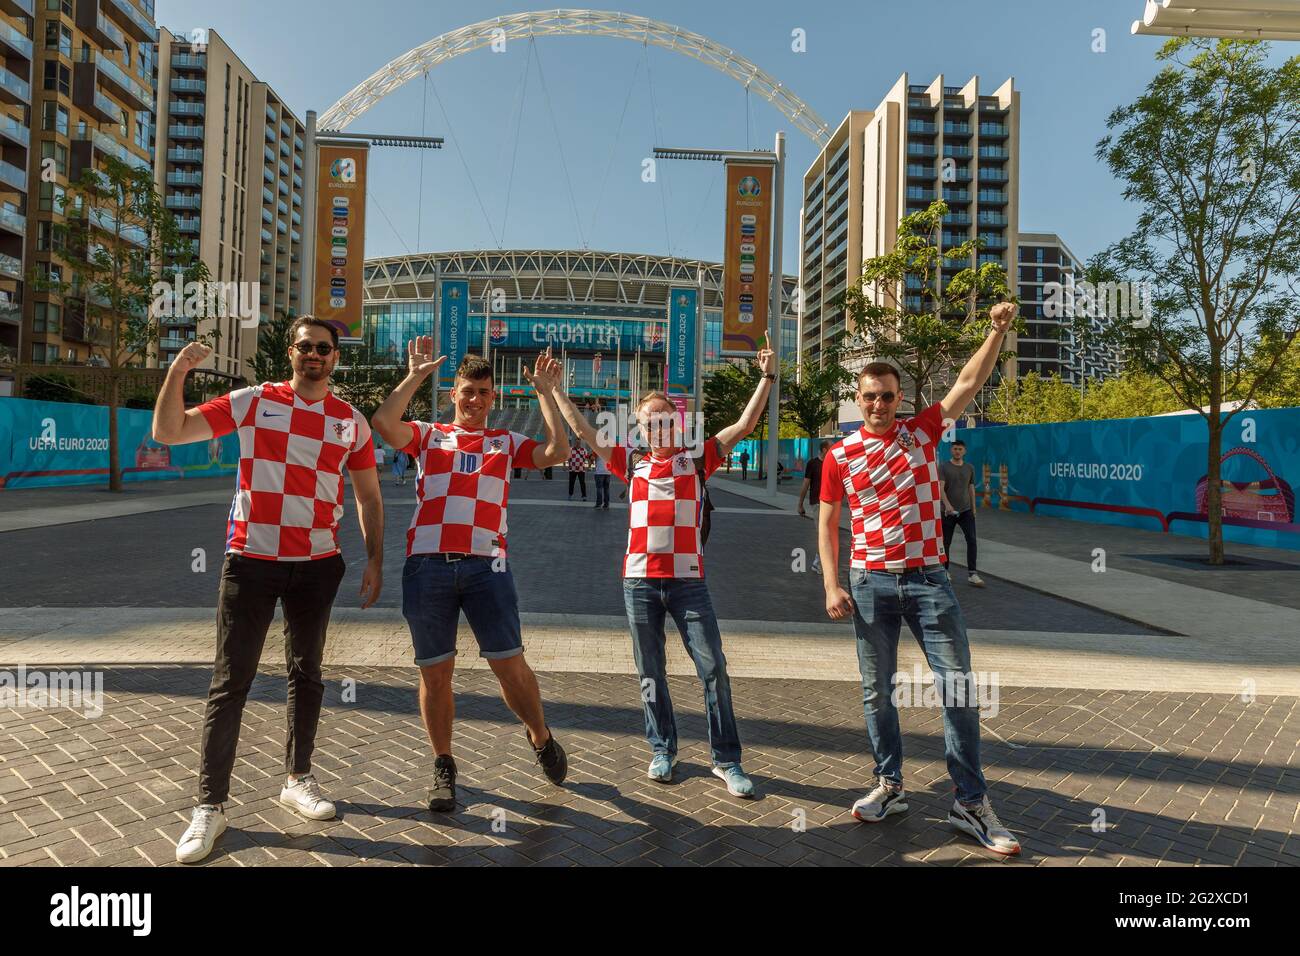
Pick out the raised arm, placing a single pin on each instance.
(581, 427)
(748, 421)
(420, 362)
(977, 371)
(545, 379)
(172, 424)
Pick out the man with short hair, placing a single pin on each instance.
(811, 488)
(957, 488)
(663, 570)
(296, 438)
(887, 472)
(456, 548)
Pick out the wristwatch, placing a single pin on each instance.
(770, 377)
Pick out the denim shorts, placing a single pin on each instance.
(435, 591)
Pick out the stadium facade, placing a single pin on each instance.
(606, 312)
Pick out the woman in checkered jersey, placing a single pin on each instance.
(663, 570)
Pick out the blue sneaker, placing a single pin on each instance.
(661, 768)
(738, 785)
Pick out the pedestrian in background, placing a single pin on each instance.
(601, 468)
(578, 469)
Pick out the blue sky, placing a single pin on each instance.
(314, 52)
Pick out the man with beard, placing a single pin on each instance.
(295, 440)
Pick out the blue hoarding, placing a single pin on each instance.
(1147, 472)
(59, 443)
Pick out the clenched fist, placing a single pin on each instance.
(766, 360)
(192, 356)
(1002, 315)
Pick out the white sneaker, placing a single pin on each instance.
(207, 823)
(884, 799)
(817, 564)
(975, 581)
(983, 824)
(304, 796)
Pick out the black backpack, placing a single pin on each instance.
(706, 510)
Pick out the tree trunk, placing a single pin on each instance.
(114, 459)
(1214, 489)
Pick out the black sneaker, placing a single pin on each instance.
(442, 795)
(553, 761)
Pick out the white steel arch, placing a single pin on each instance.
(626, 26)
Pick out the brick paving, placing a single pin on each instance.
(1181, 778)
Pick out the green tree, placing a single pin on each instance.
(811, 399)
(119, 241)
(1131, 394)
(938, 327)
(1032, 399)
(1210, 153)
(1280, 387)
(270, 363)
(366, 382)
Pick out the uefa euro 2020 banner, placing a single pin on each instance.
(59, 443)
(340, 237)
(1147, 473)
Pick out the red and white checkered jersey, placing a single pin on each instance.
(292, 453)
(891, 482)
(463, 486)
(665, 509)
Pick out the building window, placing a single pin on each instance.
(58, 37)
(56, 6)
(51, 197)
(57, 152)
(54, 117)
(57, 78)
(47, 317)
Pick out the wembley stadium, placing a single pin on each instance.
(606, 312)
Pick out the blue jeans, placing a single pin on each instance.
(435, 591)
(649, 602)
(925, 599)
(602, 489)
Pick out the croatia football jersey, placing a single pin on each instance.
(891, 482)
(292, 453)
(462, 487)
(665, 508)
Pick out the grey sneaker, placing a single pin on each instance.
(207, 823)
(738, 784)
(975, 581)
(661, 768)
(885, 798)
(983, 824)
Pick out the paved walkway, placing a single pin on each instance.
(1084, 778)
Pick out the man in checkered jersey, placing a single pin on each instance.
(295, 440)
(663, 570)
(456, 548)
(898, 573)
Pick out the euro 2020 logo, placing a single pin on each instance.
(749, 187)
(344, 169)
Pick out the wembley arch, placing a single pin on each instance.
(597, 23)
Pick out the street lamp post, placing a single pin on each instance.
(777, 158)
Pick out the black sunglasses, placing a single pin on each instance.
(306, 348)
(885, 397)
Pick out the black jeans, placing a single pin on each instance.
(581, 476)
(966, 519)
(602, 490)
(250, 588)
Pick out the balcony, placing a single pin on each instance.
(86, 94)
(957, 152)
(103, 219)
(993, 130)
(284, 148)
(14, 222)
(283, 188)
(188, 224)
(270, 135)
(956, 195)
(13, 88)
(14, 42)
(183, 108)
(185, 131)
(269, 153)
(957, 219)
(993, 152)
(920, 149)
(271, 114)
(179, 155)
(178, 178)
(182, 85)
(956, 129)
(992, 219)
(266, 236)
(267, 217)
(11, 175)
(996, 197)
(17, 8)
(993, 175)
(11, 267)
(297, 181)
(132, 20)
(183, 201)
(119, 83)
(920, 126)
(189, 61)
(14, 131)
(297, 161)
